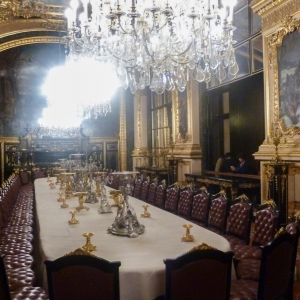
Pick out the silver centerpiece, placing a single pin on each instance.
(126, 222)
(104, 205)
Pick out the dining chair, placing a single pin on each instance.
(22, 291)
(276, 273)
(152, 191)
(200, 207)
(160, 196)
(199, 274)
(4, 288)
(185, 202)
(265, 226)
(239, 221)
(80, 277)
(172, 198)
(138, 187)
(145, 189)
(217, 215)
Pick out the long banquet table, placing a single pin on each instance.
(142, 269)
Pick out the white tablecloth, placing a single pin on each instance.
(142, 268)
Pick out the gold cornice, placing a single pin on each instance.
(28, 41)
(274, 12)
(268, 7)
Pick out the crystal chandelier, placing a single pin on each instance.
(155, 43)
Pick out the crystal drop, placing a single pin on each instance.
(221, 73)
(233, 70)
(141, 84)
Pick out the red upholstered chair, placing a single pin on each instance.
(152, 191)
(138, 187)
(249, 268)
(239, 221)
(24, 176)
(145, 189)
(265, 227)
(276, 273)
(160, 196)
(79, 277)
(4, 288)
(185, 202)
(200, 274)
(218, 214)
(172, 198)
(200, 207)
(20, 291)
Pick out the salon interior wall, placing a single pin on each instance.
(273, 13)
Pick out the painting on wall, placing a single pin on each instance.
(288, 56)
(23, 71)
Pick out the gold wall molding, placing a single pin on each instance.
(276, 11)
(123, 151)
(28, 41)
(188, 137)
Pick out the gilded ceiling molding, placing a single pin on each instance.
(28, 41)
(123, 152)
(274, 12)
(289, 25)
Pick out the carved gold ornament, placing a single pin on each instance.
(289, 25)
(200, 247)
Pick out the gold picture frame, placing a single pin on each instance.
(284, 60)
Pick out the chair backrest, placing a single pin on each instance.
(277, 268)
(200, 274)
(160, 196)
(145, 189)
(172, 198)
(185, 203)
(265, 225)
(80, 277)
(138, 187)
(152, 192)
(218, 213)
(4, 287)
(200, 206)
(239, 219)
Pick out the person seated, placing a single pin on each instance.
(244, 166)
(229, 160)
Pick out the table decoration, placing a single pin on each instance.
(187, 237)
(61, 197)
(68, 184)
(126, 222)
(89, 247)
(73, 219)
(145, 214)
(104, 205)
(80, 196)
(64, 204)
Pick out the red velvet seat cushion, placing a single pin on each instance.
(243, 290)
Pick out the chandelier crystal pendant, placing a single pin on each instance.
(155, 43)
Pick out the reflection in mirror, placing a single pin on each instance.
(241, 22)
(256, 23)
(242, 58)
(257, 54)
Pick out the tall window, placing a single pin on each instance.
(161, 107)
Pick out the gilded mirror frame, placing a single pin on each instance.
(289, 26)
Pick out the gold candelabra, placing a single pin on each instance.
(187, 237)
(275, 138)
(80, 196)
(89, 247)
(145, 214)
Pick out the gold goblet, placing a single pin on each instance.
(64, 204)
(145, 214)
(89, 247)
(187, 237)
(61, 198)
(80, 199)
(73, 220)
